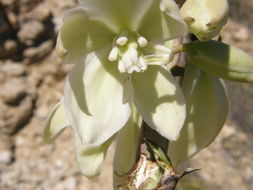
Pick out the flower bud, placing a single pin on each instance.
(205, 18)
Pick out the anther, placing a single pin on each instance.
(121, 41)
(113, 56)
(142, 41)
(123, 38)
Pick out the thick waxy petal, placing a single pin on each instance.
(117, 14)
(80, 35)
(127, 144)
(55, 123)
(126, 150)
(162, 21)
(160, 101)
(207, 109)
(154, 19)
(97, 98)
(90, 158)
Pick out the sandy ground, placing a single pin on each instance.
(27, 61)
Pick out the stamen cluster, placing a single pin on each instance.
(134, 53)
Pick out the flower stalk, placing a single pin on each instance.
(154, 169)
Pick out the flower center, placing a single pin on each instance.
(134, 53)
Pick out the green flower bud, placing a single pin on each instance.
(221, 60)
(205, 18)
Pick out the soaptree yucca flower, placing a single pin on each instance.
(120, 60)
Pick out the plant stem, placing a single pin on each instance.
(180, 2)
(151, 135)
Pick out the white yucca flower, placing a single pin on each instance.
(112, 44)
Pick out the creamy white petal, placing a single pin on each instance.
(79, 35)
(127, 144)
(96, 98)
(117, 14)
(55, 123)
(159, 100)
(207, 109)
(162, 21)
(90, 158)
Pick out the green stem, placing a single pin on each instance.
(151, 135)
(180, 2)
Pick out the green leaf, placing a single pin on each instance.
(221, 60)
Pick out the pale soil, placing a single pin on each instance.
(31, 82)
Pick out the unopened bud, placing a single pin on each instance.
(205, 18)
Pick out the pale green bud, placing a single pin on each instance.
(221, 60)
(205, 18)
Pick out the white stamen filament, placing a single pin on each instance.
(121, 66)
(158, 59)
(162, 49)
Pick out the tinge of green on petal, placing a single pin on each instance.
(134, 52)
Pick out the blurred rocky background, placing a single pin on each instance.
(31, 82)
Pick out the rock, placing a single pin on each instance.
(27, 5)
(242, 34)
(6, 153)
(9, 46)
(236, 144)
(2, 123)
(40, 13)
(4, 26)
(30, 32)
(5, 157)
(3, 108)
(7, 2)
(17, 117)
(10, 69)
(36, 53)
(12, 18)
(13, 90)
(69, 183)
